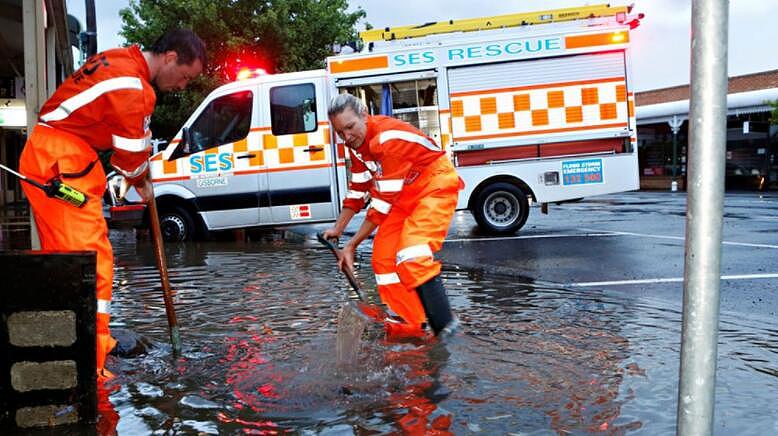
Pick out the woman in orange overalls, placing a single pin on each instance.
(413, 190)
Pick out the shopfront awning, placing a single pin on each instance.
(737, 104)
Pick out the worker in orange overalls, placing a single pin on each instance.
(105, 105)
(413, 190)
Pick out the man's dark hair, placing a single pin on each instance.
(185, 43)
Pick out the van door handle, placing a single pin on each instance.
(313, 148)
(246, 156)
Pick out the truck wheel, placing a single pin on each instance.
(176, 224)
(501, 208)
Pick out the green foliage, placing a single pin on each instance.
(278, 35)
(774, 113)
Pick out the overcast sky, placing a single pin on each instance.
(660, 45)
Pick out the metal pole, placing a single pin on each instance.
(91, 28)
(707, 147)
(675, 126)
(34, 78)
(675, 152)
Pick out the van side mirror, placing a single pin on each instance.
(183, 148)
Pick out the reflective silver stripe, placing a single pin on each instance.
(380, 205)
(361, 177)
(412, 252)
(85, 97)
(131, 144)
(104, 306)
(409, 137)
(392, 185)
(372, 166)
(358, 195)
(136, 172)
(356, 155)
(387, 279)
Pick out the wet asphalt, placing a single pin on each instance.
(630, 243)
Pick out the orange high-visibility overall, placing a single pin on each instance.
(413, 189)
(105, 105)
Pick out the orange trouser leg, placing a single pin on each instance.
(62, 226)
(406, 240)
(431, 200)
(402, 300)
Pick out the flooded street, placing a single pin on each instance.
(572, 326)
(258, 326)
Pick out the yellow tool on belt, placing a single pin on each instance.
(55, 189)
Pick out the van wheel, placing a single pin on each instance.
(176, 224)
(501, 208)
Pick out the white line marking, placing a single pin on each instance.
(681, 238)
(505, 238)
(599, 233)
(668, 280)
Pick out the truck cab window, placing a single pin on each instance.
(293, 109)
(226, 119)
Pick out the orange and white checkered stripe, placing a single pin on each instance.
(271, 153)
(445, 128)
(540, 110)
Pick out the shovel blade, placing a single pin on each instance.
(351, 326)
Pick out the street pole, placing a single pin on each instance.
(702, 266)
(33, 25)
(675, 126)
(91, 28)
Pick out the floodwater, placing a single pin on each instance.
(258, 326)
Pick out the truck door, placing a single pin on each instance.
(226, 167)
(301, 167)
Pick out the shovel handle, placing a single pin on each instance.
(167, 293)
(335, 251)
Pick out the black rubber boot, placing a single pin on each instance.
(436, 307)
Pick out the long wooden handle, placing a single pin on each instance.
(349, 275)
(159, 251)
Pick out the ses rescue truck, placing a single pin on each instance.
(534, 106)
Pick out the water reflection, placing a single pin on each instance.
(258, 325)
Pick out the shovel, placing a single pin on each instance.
(167, 293)
(353, 317)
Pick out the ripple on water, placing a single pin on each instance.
(258, 327)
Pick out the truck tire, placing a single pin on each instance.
(501, 208)
(176, 224)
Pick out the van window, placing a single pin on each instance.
(293, 109)
(226, 119)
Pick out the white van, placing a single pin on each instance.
(530, 107)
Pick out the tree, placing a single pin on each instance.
(276, 35)
(774, 114)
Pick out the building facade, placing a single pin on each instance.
(752, 146)
(35, 56)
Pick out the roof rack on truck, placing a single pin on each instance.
(494, 22)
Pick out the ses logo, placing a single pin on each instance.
(208, 163)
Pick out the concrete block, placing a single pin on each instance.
(46, 416)
(33, 376)
(47, 342)
(52, 328)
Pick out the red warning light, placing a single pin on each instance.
(249, 73)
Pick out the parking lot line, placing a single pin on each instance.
(508, 238)
(668, 280)
(681, 238)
